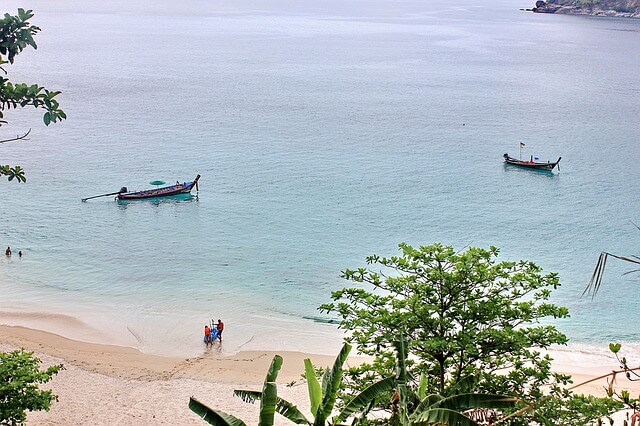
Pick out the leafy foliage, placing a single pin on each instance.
(20, 377)
(411, 407)
(16, 34)
(322, 395)
(473, 324)
(270, 403)
(576, 410)
(213, 417)
(15, 172)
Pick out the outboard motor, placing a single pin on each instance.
(124, 189)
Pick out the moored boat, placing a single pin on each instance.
(531, 164)
(167, 191)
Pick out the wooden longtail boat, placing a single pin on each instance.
(538, 165)
(167, 191)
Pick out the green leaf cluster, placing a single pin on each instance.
(412, 407)
(20, 377)
(322, 397)
(16, 34)
(12, 173)
(576, 410)
(473, 324)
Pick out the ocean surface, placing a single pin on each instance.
(324, 132)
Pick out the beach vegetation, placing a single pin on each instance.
(577, 409)
(322, 396)
(411, 407)
(20, 380)
(16, 34)
(473, 324)
(269, 403)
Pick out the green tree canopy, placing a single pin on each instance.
(472, 323)
(16, 33)
(20, 377)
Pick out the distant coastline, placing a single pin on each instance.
(611, 8)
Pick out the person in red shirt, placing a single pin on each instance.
(207, 335)
(220, 327)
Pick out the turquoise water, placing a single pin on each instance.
(324, 132)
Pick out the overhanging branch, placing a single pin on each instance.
(17, 138)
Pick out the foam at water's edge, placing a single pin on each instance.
(286, 335)
(184, 339)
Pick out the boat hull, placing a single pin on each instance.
(531, 164)
(167, 191)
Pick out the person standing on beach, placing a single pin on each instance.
(8, 253)
(220, 327)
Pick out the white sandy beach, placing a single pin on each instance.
(117, 385)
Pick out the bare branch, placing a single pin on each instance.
(17, 138)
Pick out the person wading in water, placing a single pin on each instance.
(220, 327)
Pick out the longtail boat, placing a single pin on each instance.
(167, 191)
(531, 164)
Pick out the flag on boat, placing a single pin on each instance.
(521, 145)
(536, 158)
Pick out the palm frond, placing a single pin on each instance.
(596, 278)
(633, 271)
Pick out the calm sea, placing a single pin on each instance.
(324, 132)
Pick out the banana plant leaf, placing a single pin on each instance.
(270, 393)
(427, 402)
(315, 391)
(330, 385)
(422, 386)
(364, 398)
(443, 416)
(283, 407)
(213, 417)
(475, 400)
(401, 379)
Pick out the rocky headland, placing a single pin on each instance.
(619, 8)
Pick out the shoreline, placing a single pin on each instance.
(174, 336)
(122, 377)
(131, 364)
(109, 384)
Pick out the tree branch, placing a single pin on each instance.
(17, 138)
